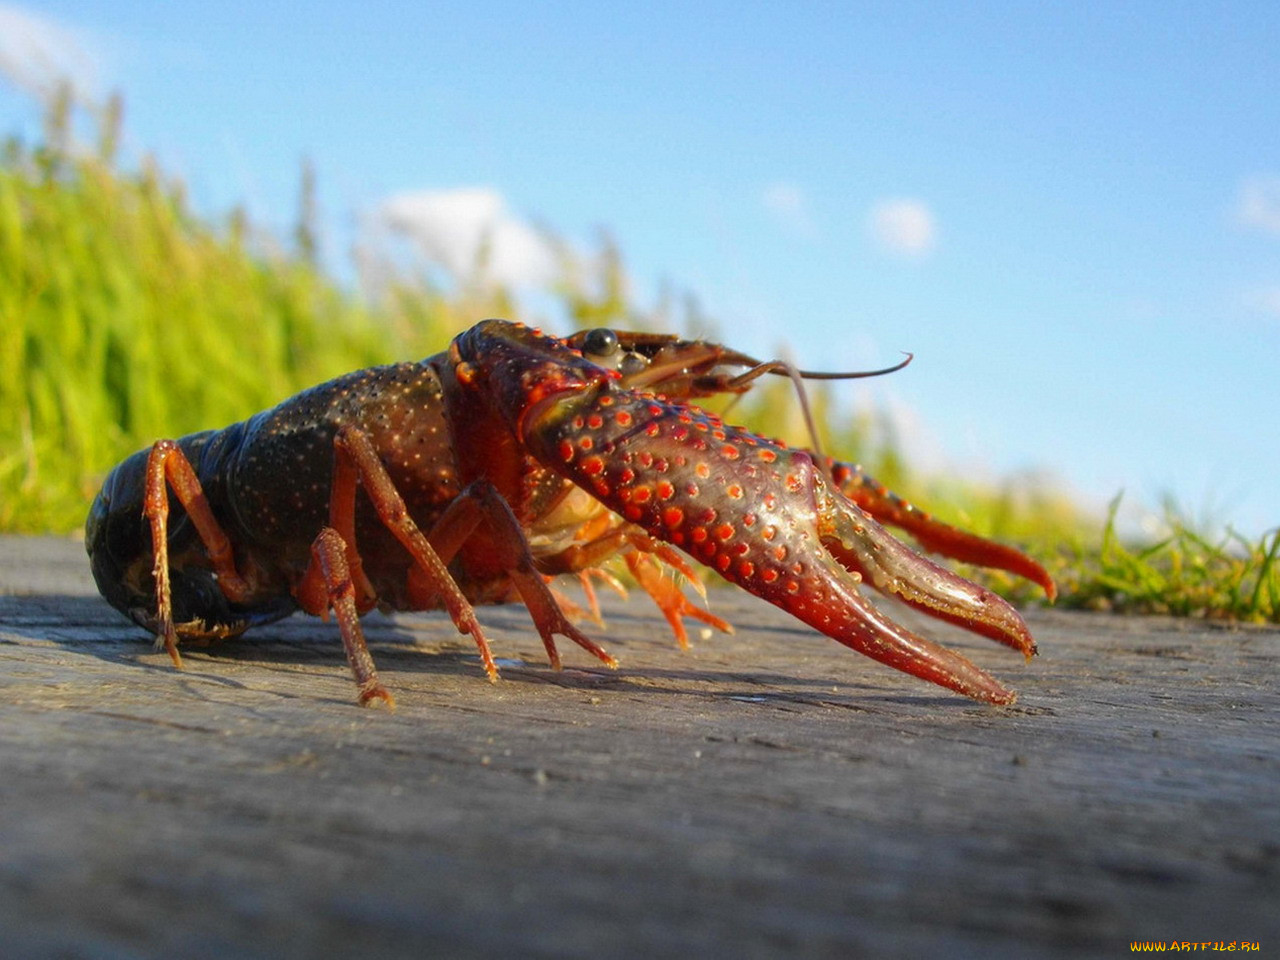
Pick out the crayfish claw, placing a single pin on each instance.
(932, 534)
(864, 547)
(870, 632)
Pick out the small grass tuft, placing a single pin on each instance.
(1184, 573)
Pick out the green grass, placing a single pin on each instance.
(125, 317)
(1185, 573)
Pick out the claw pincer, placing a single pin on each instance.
(760, 514)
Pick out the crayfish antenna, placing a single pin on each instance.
(739, 383)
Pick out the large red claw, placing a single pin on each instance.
(768, 520)
(830, 547)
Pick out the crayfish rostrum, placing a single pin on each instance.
(474, 476)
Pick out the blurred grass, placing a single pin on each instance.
(125, 317)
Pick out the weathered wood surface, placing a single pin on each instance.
(767, 793)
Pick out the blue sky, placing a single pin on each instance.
(1070, 213)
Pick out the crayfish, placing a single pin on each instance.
(476, 475)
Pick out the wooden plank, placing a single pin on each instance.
(768, 792)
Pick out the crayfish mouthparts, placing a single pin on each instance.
(472, 476)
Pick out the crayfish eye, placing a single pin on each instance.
(601, 342)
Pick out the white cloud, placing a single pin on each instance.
(37, 52)
(790, 207)
(457, 227)
(1258, 205)
(904, 227)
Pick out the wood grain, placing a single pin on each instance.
(766, 793)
